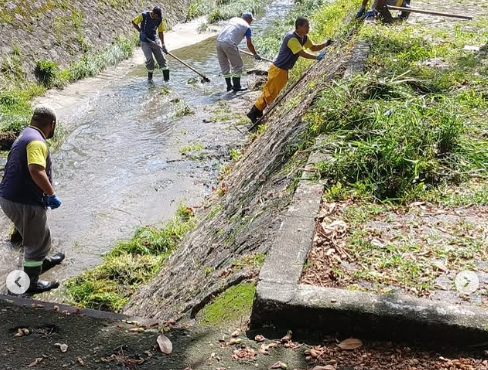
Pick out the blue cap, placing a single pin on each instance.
(157, 11)
(247, 15)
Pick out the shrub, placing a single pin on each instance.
(46, 72)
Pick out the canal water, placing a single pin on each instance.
(120, 165)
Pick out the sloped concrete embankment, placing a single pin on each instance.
(246, 213)
(63, 31)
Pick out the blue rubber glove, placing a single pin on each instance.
(321, 55)
(370, 14)
(164, 49)
(257, 57)
(360, 13)
(52, 201)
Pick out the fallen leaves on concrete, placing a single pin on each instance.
(63, 347)
(36, 362)
(165, 344)
(244, 353)
(389, 356)
(350, 343)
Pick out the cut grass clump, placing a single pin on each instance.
(110, 285)
(230, 306)
(386, 137)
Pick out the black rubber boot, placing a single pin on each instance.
(254, 114)
(50, 262)
(236, 81)
(166, 75)
(229, 83)
(37, 286)
(149, 76)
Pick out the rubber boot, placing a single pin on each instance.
(229, 83)
(50, 262)
(236, 81)
(254, 114)
(149, 76)
(37, 286)
(166, 75)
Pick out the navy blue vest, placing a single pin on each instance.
(149, 27)
(17, 184)
(286, 59)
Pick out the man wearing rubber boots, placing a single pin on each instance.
(26, 191)
(148, 24)
(292, 47)
(228, 51)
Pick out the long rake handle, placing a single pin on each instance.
(190, 67)
(248, 53)
(413, 10)
(205, 78)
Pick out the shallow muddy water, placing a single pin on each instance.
(120, 164)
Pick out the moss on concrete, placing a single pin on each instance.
(230, 306)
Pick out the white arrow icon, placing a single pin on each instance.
(18, 282)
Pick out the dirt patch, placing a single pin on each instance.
(417, 250)
(7, 139)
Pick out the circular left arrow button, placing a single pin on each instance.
(18, 282)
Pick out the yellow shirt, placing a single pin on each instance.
(138, 20)
(37, 153)
(295, 47)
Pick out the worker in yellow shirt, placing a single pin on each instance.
(292, 47)
(27, 191)
(147, 24)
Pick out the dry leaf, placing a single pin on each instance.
(136, 330)
(259, 338)
(165, 344)
(235, 333)
(326, 367)
(80, 361)
(377, 243)
(279, 365)
(36, 362)
(350, 343)
(439, 265)
(287, 337)
(62, 346)
(234, 341)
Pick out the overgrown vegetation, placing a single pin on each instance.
(406, 125)
(406, 142)
(217, 10)
(110, 285)
(16, 92)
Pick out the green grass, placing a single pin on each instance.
(131, 263)
(230, 306)
(16, 92)
(406, 125)
(192, 149)
(217, 10)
